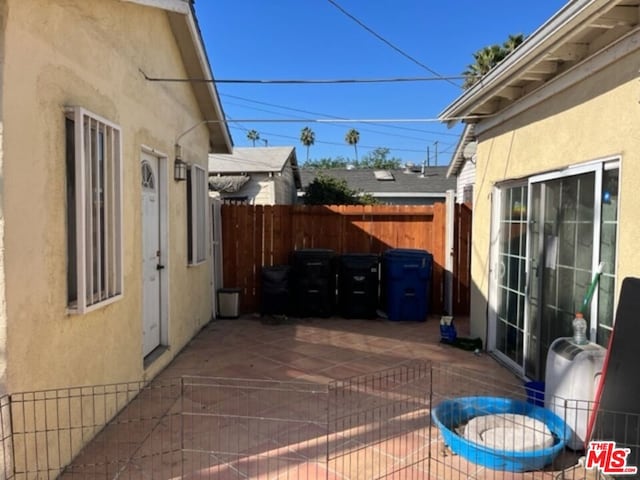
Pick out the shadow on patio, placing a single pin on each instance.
(309, 398)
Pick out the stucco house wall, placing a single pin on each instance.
(593, 119)
(89, 53)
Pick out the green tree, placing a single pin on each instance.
(512, 43)
(253, 135)
(327, 190)
(379, 158)
(308, 138)
(488, 57)
(327, 162)
(352, 138)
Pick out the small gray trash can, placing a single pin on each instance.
(228, 302)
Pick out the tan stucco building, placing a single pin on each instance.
(557, 170)
(105, 258)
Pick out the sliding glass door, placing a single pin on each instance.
(554, 231)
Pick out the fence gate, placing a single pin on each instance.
(462, 259)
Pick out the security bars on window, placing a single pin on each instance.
(95, 253)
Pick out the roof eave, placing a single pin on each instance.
(537, 44)
(458, 159)
(197, 66)
(187, 34)
(176, 6)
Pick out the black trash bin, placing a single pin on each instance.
(275, 295)
(314, 282)
(358, 283)
(407, 284)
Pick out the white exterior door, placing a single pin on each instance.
(151, 266)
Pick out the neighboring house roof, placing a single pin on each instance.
(461, 154)
(255, 160)
(582, 29)
(189, 40)
(403, 183)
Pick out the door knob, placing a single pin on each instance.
(159, 267)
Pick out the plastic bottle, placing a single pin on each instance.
(580, 329)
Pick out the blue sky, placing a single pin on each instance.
(312, 39)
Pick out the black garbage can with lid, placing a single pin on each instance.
(275, 294)
(314, 282)
(358, 284)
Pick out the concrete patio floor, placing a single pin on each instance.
(249, 398)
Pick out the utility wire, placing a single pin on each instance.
(355, 120)
(321, 142)
(397, 49)
(330, 81)
(378, 132)
(398, 127)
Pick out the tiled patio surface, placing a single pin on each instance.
(318, 350)
(254, 405)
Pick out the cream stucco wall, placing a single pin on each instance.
(88, 53)
(596, 118)
(3, 309)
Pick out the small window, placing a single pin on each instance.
(196, 215)
(148, 179)
(94, 210)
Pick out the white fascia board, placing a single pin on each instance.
(183, 7)
(457, 160)
(605, 57)
(206, 73)
(176, 6)
(538, 43)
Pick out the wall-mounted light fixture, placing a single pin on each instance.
(179, 167)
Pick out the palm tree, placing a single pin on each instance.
(488, 57)
(308, 138)
(253, 136)
(352, 138)
(512, 43)
(485, 59)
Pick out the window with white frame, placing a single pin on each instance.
(196, 215)
(94, 210)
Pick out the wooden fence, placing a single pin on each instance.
(254, 236)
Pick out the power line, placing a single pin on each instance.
(330, 81)
(397, 49)
(398, 127)
(378, 132)
(324, 142)
(355, 120)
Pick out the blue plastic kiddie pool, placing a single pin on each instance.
(450, 415)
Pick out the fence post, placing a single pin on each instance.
(448, 251)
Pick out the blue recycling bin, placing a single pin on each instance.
(407, 282)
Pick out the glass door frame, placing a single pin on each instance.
(497, 200)
(537, 241)
(597, 167)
